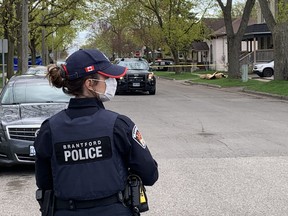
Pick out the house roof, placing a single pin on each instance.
(235, 24)
(218, 25)
(256, 30)
(200, 46)
(214, 23)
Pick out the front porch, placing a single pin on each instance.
(257, 44)
(256, 56)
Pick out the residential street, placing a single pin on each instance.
(219, 152)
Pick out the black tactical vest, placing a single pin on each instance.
(85, 163)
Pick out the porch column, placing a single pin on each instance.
(254, 49)
(247, 45)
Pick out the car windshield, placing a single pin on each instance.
(32, 92)
(134, 65)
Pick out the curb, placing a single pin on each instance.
(242, 89)
(204, 84)
(282, 97)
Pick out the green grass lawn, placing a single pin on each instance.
(272, 87)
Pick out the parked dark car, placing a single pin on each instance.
(162, 64)
(25, 102)
(137, 78)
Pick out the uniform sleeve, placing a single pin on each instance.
(134, 150)
(43, 147)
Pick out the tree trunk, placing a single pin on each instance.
(19, 35)
(119, 45)
(176, 60)
(24, 44)
(43, 47)
(279, 30)
(233, 57)
(234, 39)
(280, 39)
(19, 54)
(33, 51)
(10, 58)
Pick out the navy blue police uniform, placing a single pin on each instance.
(86, 152)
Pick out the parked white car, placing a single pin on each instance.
(264, 69)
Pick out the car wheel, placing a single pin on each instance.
(259, 74)
(268, 72)
(152, 92)
(118, 92)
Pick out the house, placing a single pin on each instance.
(212, 53)
(217, 55)
(259, 44)
(256, 46)
(259, 38)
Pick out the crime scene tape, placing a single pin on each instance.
(187, 65)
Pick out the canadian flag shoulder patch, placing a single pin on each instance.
(137, 136)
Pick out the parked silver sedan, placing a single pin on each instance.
(25, 102)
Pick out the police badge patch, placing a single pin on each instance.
(138, 137)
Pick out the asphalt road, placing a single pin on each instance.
(219, 153)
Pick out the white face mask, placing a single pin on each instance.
(111, 86)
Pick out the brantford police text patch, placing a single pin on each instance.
(83, 151)
(138, 137)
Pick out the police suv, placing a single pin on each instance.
(138, 77)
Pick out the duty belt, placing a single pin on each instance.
(83, 204)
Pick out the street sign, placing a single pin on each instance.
(3, 49)
(3, 46)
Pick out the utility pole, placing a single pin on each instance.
(24, 65)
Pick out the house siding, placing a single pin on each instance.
(219, 53)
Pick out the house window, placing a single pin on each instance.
(269, 42)
(204, 56)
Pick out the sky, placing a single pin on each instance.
(78, 42)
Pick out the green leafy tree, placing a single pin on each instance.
(111, 27)
(10, 23)
(179, 27)
(52, 21)
(151, 24)
(144, 30)
(59, 19)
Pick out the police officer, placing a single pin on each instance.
(85, 152)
